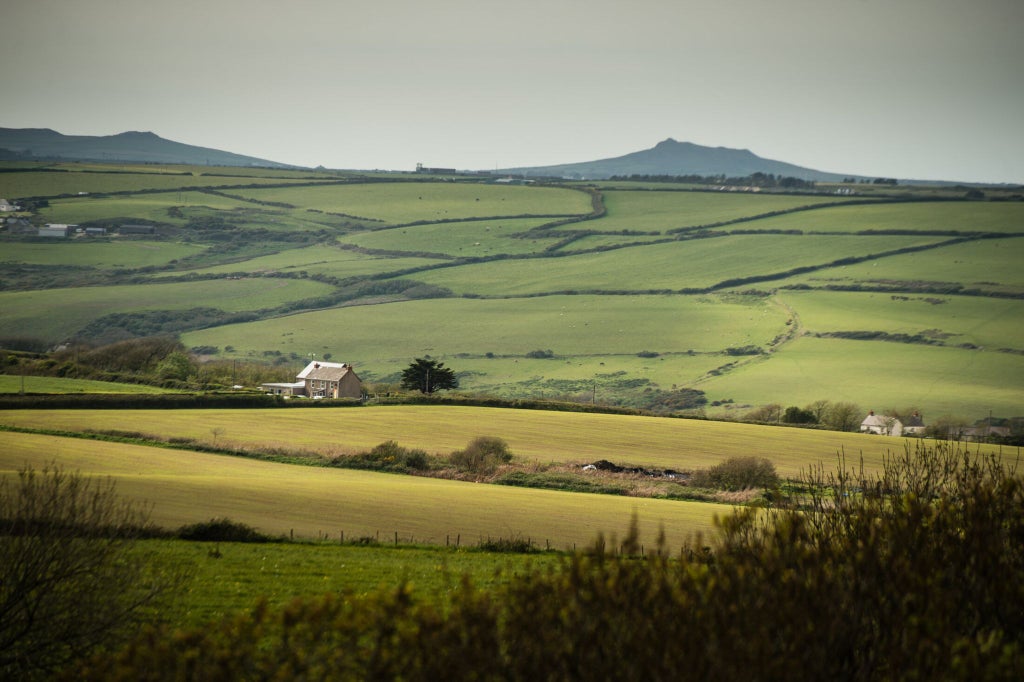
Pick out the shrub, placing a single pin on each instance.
(70, 582)
(387, 456)
(482, 455)
(738, 473)
(222, 530)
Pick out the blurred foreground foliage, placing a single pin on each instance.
(913, 573)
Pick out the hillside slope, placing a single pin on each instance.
(145, 147)
(670, 157)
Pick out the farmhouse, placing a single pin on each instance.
(321, 380)
(882, 426)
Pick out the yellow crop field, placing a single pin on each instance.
(533, 435)
(187, 487)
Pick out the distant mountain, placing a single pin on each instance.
(43, 143)
(670, 157)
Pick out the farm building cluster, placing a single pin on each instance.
(913, 425)
(321, 380)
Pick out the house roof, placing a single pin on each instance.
(328, 373)
(914, 420)
(876, 420)
(316, 365)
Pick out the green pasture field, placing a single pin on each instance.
(241, 573)
(992, 323)
(321, 259)
(392, 334)
(596, 241)
(987, 265)
(666, 210)
(404, 202)
(152, 207)
(45, 184)
(534, 436)
(878, 375)
(280, 499)
(694, 263)
(468, 239)
(928, 216)
(98, 253)
(68, 310)
(32, 384)
(610, 379)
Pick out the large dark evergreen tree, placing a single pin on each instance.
(426, 376)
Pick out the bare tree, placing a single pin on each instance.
(69, 580)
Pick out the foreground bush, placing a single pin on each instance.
(914, 574)
(69, 581)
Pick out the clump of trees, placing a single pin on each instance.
(835, 416)
(907, 574)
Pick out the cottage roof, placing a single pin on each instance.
(316, 365)
(328, 373)
(875, 420)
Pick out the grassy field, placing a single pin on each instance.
(542, 437)
(32, 384)
(325, 259)
(379, 339)
(407, 202)
(695, 263)
(232, 578)
(960, 216)
(58, 183)
(68, 310)
(666, 210)
(987, 265)
(992, 323)
(99, 253)
(186, 487)
(878, 375)
(469, 239)
(209, 234)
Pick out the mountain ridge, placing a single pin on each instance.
(129, 146)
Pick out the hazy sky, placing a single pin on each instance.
(929, 89)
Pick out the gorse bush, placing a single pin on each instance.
(911, 574)
(482, 455)
(738, 473)
(387, 456)
(222, 530)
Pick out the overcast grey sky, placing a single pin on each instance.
(928, 89)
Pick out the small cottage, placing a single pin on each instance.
(881, 425)
(321, 379)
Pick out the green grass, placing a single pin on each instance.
(666, 210)
(55, 184)
(570, 326)
(239, 574)
(319, 259)
(185, 487)
(677, 265)
(32, 384)
(152, 207)
(98, 253)
(961, 216)
(68, 310)
(878, 375)
(992, 323)
(987, 265)
(469, 239)
(408, 202)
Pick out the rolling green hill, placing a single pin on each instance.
(622, 293)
